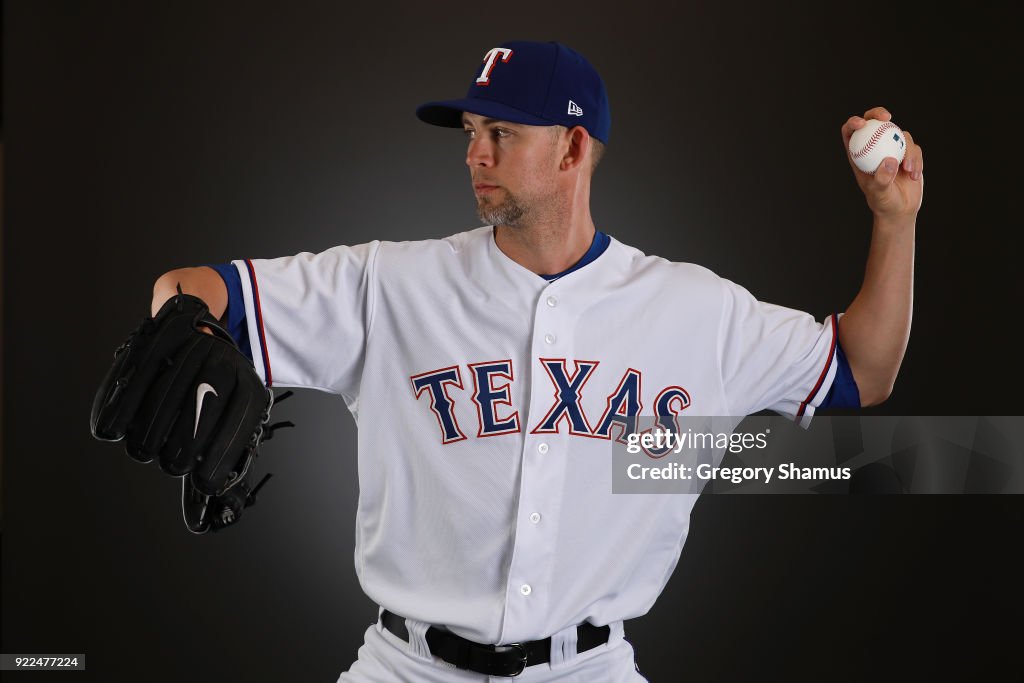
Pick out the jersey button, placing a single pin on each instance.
(552, 301)
(525, 589)
(535, 517)
(550, 338)
(542, 448)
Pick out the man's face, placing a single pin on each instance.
(514, 170)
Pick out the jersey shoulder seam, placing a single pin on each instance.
(371, 302)
(719, 344)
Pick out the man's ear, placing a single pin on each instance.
(578, 147)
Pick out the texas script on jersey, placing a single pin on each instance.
(491, 384)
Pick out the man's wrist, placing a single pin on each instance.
(895, 225)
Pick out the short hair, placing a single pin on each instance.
(596, 152)
(596, 147)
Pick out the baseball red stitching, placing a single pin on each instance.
(874, 138)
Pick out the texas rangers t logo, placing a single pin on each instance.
(489, 60)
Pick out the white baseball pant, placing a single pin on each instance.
(386, 658)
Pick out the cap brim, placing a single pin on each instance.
(449, 113)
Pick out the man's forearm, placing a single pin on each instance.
(876, 326)
(203, 282)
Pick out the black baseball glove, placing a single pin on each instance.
(193, 402)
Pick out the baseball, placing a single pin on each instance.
(876, 141)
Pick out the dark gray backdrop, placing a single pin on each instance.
(141, 138)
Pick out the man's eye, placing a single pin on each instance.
(468, 132)
(501, 133)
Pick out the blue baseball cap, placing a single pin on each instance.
(539, 84)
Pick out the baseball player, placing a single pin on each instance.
(490, 370)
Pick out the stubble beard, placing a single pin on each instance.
(510, 211)
(521, 212)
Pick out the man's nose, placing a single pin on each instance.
(479, 153)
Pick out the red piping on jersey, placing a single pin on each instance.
(824, 372)
(259, 320)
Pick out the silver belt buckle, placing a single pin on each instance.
(522, 657)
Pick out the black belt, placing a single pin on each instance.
(494, 660)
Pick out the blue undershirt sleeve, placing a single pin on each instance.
(235, 322)
(843, 393)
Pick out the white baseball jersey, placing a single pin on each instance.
(486, 398)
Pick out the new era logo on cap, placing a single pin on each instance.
(530, 82)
